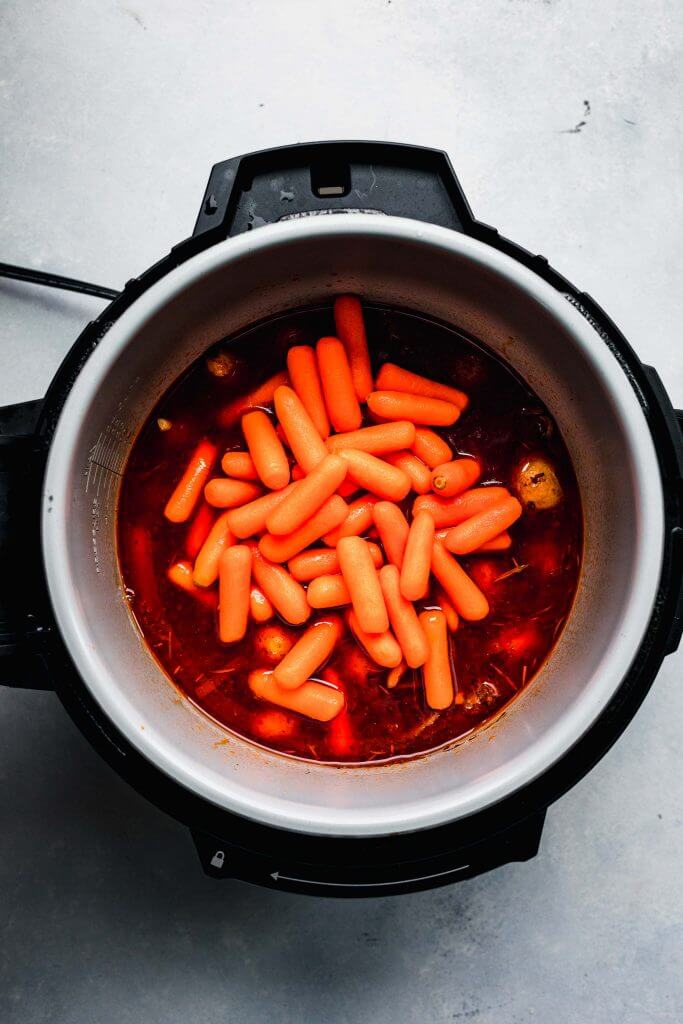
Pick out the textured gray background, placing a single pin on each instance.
(112, 114)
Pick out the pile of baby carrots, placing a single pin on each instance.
(286, 529)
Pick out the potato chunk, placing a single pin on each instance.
(537, 484)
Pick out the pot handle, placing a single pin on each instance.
(23, 598)
(332, 177)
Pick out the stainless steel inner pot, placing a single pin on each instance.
(437, 272)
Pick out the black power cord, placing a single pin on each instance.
(69, 284)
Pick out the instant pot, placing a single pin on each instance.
(278, 230)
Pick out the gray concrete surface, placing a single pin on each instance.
(563, 120)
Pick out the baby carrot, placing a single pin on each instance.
(436, 673)
(500, 543)
(180, 505)
(429, 447)
(381, 647)
(308, 447)
(328, 592)
(474, 532)
(395, 378)
(311, 650)
(303, 373)
(266, 450)
(417, 557)
(206, 563)
(198, 530)
(239, 465)
(452, 619)
(234, 586)
(392, 528)
(451, 478)
(311, 699)
(328, 517)
(399, 405)
(304, 500)
(347, 487)
(377, 440)
(260, 608)
(375, 475)
(403, 618)
(222, 492)
(262, 395)
(360, 576)
(340, 395)
(322, 561)
(414, 468)
(286, 595)
(251, 518)
(180, 574)
(350, 327)
(467, 598)
(358, 519)
(451, 511)
(394, 675)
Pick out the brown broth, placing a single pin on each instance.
(530, 588)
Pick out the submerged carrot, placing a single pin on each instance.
(340, 395)
(262, 395)
(467, 598)
(500, 543)
(360, 576)
(431, 448)
(266, 450)
(444, 602)
(180, 574)
(222, 492)
(286, 595)
(328, 591)
(415, 469)
(340, 735)
(358, 520)
(417, 557)
(451, 511)
(350, 327)
(479, 529)
(310, 651)
(312, 699)
(198, 530)
(308, 496)
(206, 563)
(303, 437)
(377, 440)
(303, 373)
(260, 608)
(395, 378)
(283, 547)
(383, 647)
(451, 478)
(234, 586)
(394, 675)
(323, 561)
(375, 475)
(251, 518)
(180, 505)
(399, 405)
(239, 465)
(393, 528)
(403, 618)
(436, 673)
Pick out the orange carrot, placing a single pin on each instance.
(360, 576)
(474, 532)
(312, 699)
(260, 608)
(180, 574)
(283, 547)
(452, 618)
(395, 378)
(393, 528)
(394, 675)
(403, 619)
(297, 472)
(222, 492)
(322, 561)
(417, 557)
(340, 395)
(358, 519)
(266, 450)
(234, 586)
(381, 647)
(286, 595)
(399, 405)
(251, 518)
(310, 651)
(467, 598)
(328, 591)
(198, 530)
(375, 475)
(206, 563)
(180, 505)
(429, 447)
(436, 674)
(414, 468)
(308, 496)
(347, 488)
(350, 327)
(239, 465)
(451, 511)
(308, 447)
(303, 373)
(262, 395)
(340, 735)
(377, 440)
(503, 542)
(451, 478)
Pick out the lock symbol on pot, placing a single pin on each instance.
(218, 859)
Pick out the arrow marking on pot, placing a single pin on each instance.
(277, 876)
